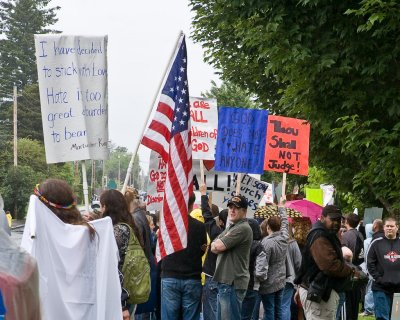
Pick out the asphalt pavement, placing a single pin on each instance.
(17, 230)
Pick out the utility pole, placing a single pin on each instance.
(119, 171)
(15, 126)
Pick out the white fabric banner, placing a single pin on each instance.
(204, 122)
(78, 278)
(72, 72)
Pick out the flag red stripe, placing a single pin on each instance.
(160, 128)
(155, 146)
(173, 233)
(178, 194)
(186, 163)
(166, 110)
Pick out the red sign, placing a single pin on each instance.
(287, 145)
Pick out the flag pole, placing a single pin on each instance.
(202, 171)
(167, 69)
(85, 186)
(284, 185)
(238, 182)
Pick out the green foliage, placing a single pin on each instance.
(117, 166)
(32, 169)
(19, 21)
(229, 94)
(321, 61)
(17, 188)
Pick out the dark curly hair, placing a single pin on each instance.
(116, 208)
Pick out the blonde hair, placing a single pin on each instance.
(132, 196)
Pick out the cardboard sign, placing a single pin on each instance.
(241, 140)
(252, 188)
(72, 72)
(156, 185)
(287, 145)
(370, 214)
(204, 122)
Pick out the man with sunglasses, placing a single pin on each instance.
(323, 270)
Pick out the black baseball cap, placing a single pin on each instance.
(238, 201)
(334, 212)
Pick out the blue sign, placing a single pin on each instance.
(241, 140)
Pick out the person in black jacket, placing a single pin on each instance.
(214, 227)
(383, 263)
(323, 269)
(181, 274)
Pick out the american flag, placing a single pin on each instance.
(169, 135)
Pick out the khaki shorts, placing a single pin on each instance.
(320, 311)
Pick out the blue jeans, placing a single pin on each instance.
(272, 305)
(287, 299)
(256, 311)
(369, 298)
(342, 300)
(180, 299)
(210, 294)
(248, 304)
(229, 302)
(383, 305)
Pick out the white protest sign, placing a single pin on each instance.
(252, 188)
(268, 196)
(214, 180)
(156, 186)
(204, 122)
(72, 73)
(327, 193)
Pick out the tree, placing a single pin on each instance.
(29, 115)
(118, 163)
(19, 21)
(17, 183)
(230, 94)
(332, 63)
(16, 189)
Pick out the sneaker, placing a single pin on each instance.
(365, 314)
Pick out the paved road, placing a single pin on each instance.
(16, 233)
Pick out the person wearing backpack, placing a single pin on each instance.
(136, 208)
(354, 240)
(128, 240)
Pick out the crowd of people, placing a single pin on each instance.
(234, 266)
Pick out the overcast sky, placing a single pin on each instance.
(141, 38)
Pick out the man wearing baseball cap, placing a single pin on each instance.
(232, 271)
(324, 272)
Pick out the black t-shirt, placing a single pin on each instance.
(187, 264)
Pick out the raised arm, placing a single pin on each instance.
(284, 220)
(205, 205)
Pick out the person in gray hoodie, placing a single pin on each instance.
(293, 264)
(270, 268)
